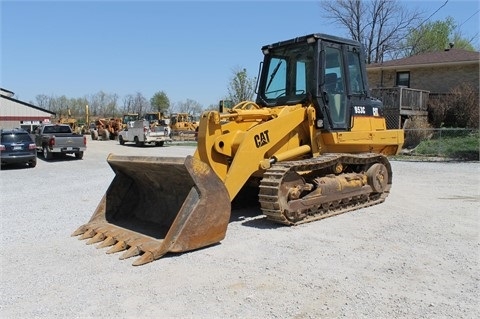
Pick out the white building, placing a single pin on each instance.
(18, 114)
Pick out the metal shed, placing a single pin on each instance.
(18, 114)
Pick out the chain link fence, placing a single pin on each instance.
(392, 118)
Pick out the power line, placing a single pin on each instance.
(418, 27)
(473, 38)
(468, 19)
(443, 5)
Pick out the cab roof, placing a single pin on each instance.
(316, 36)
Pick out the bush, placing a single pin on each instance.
(459, 108)
(416, 130)
(437, 108)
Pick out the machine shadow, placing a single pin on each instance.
(246, 209)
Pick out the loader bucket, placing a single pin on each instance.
(157, 205)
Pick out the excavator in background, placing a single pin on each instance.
(314, 144)
(225, 106)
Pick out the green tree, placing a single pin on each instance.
(435, 36)
(160, 102)
(241, 87)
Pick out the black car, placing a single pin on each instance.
(17, 147)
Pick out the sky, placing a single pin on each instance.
(187, 49)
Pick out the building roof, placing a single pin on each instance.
(447, 57)
(27, 104)
(6, 92)
(8, 95)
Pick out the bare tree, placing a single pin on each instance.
(189, 106)
(42, 100)
(379, 24)
(140, 104)
(59, 105)
(103, 104)
(97, 103)
(128, 101)
(135, 104)
(111, 108)
(78, 107)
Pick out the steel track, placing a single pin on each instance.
(274, 202)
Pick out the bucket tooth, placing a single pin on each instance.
(145, 258)
(88, 234)
(97, 238)
(119, 246)
(80, 230)
(132, 251)
(109, 241)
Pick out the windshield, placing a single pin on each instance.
(16, 138)
(57, 129)
(287, 74)
(129, 118)
(152, 117)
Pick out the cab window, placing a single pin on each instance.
(277, 78)
(289, 75)
(334, 86)
(354, 68)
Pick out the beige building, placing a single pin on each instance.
(436, 72)
(18, 114)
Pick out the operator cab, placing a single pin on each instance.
(325, 70)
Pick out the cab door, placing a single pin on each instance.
(360, 105)
(334, 86)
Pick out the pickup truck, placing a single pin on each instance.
(141, 132)
(53, 139)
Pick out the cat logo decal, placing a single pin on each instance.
(261, 139)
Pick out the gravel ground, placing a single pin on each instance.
(414, 256)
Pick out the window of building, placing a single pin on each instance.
(403, 79)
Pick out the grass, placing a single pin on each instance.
(455, 147)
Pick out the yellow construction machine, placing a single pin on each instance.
(225, 106)
(129, 117)
(182, 122)
(314, 144)
(72, 122)
(155, 118)
(183, 126)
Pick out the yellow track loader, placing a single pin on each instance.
(313, 144)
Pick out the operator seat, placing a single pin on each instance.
(334, 98)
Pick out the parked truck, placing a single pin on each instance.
(53, 139)
(141, 132)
